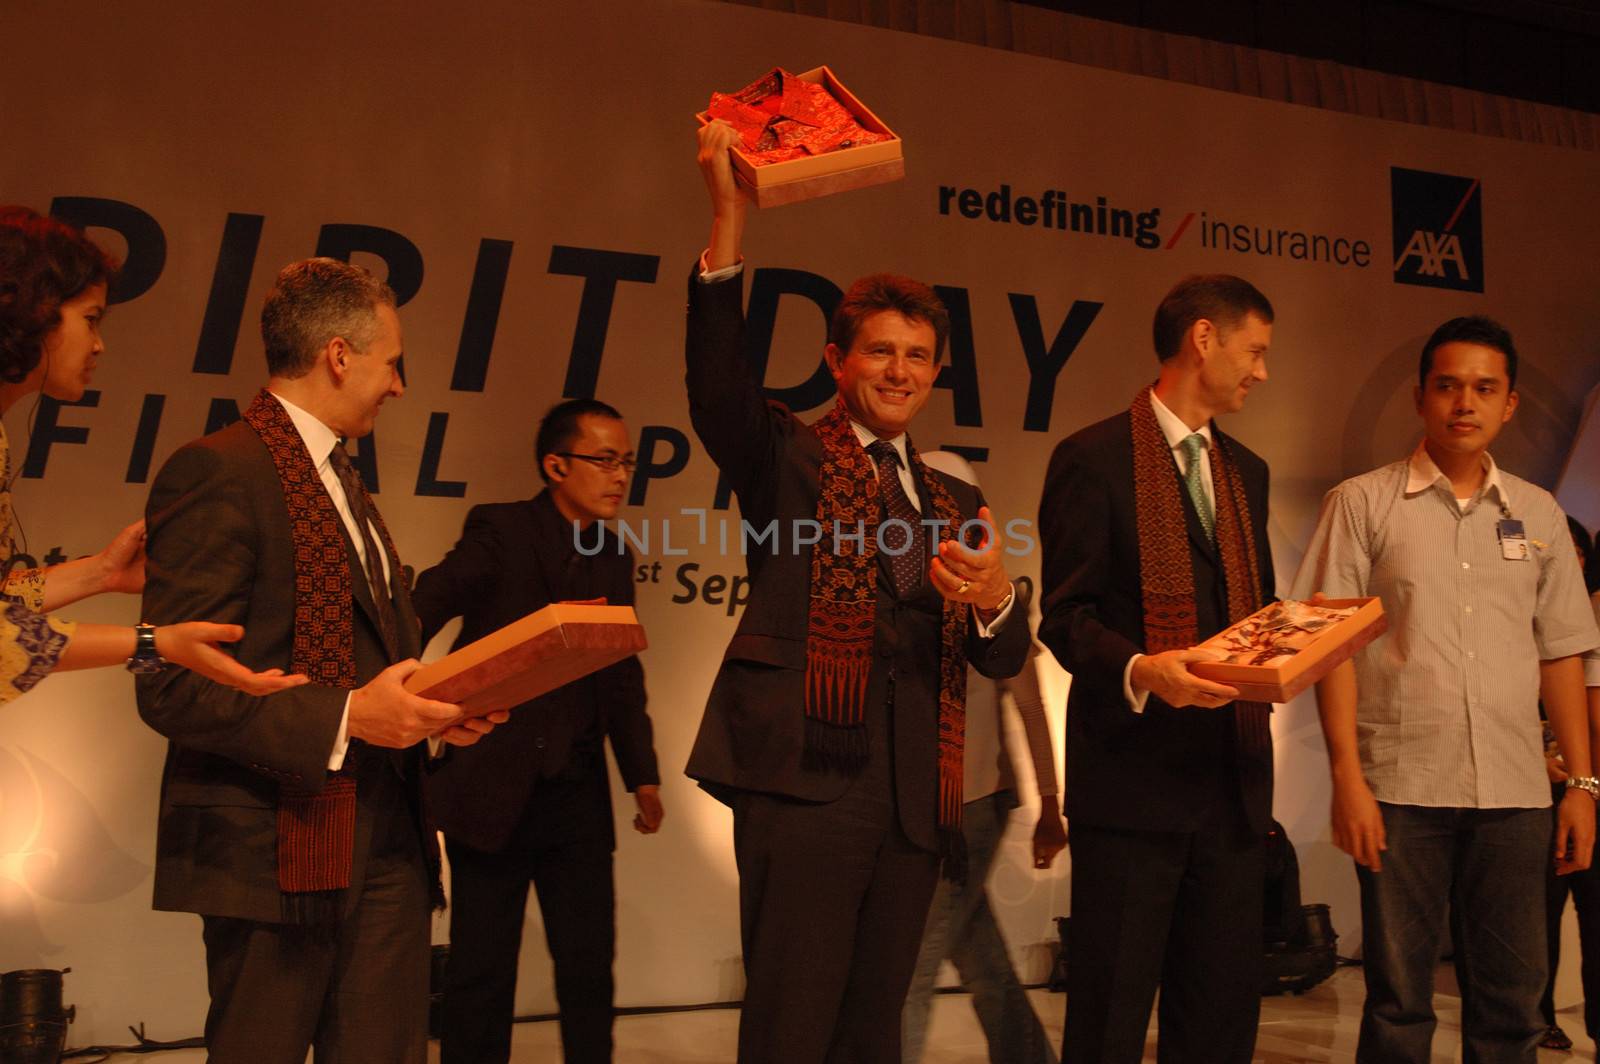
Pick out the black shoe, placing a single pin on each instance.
(1555, 1038)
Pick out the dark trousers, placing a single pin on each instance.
(1485, 865)
(565, 854)
(357, 992)
(1178, 910)
(833, 898)
(1585, 890)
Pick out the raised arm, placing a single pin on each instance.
(727, 202)
(731, 416)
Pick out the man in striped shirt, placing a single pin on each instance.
(1433, 731)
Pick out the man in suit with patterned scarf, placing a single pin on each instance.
(834, 727)
(1154, 526)
(292, 822)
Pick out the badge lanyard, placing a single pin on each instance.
(1513, 537)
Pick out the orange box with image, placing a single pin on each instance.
(1327, 649)
(822, 175)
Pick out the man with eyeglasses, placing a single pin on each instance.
(536, 807)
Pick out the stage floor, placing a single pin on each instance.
(1317, 1026)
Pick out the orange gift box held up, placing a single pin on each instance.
(797, 143)
(562, 642)
(1297, 662)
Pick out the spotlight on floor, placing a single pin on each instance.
(33, 1025)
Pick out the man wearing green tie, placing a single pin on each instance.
(1154, 527)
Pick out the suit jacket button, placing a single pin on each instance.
(538, 744)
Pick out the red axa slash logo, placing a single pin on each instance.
(1438, 229)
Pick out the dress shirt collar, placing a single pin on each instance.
(868, 438)
(319, 439)
(1173, 427)
(1424, 473)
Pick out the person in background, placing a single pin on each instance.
(961, 926)
(53, 283)
(1584, 886)
(534, 805)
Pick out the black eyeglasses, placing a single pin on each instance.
(610, 463)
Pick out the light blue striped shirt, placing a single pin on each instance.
(1448, 698)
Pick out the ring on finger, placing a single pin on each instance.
(962, 590)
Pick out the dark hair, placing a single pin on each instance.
(1585, 544)
(559, 426)
(44, 262)
(1473, 329)
(1219, 298)
(313, 301)
(887, 291)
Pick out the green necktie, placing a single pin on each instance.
(1192, 445)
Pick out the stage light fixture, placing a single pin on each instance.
(33, 1024)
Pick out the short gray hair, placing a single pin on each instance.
(313, 301)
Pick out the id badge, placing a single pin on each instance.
(1513, 540)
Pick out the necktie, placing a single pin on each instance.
(1193, 445)
(909, 565)
(355, 497)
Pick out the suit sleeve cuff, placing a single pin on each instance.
(1135, 701)
(987, 631)
(720, 274)
(341, 742)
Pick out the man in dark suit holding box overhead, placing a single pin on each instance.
(834, 726)
(536, 805)
(1154, 526)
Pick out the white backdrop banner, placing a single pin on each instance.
(523, 175)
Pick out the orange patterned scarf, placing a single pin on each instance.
(316, 829)
(1166, 571)
(843, 613)
(1166, 574)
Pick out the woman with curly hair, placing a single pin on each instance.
(53, 283)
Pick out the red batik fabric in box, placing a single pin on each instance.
(780, 117)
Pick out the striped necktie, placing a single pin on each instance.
(1193, 445)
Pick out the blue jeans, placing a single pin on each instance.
(962, 928)
(1483, 871)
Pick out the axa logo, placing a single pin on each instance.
(1438, 229)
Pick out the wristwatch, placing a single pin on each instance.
(1589, 785)
(145, 660)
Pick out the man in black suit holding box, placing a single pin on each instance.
(536, 806)
(1154, 526)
